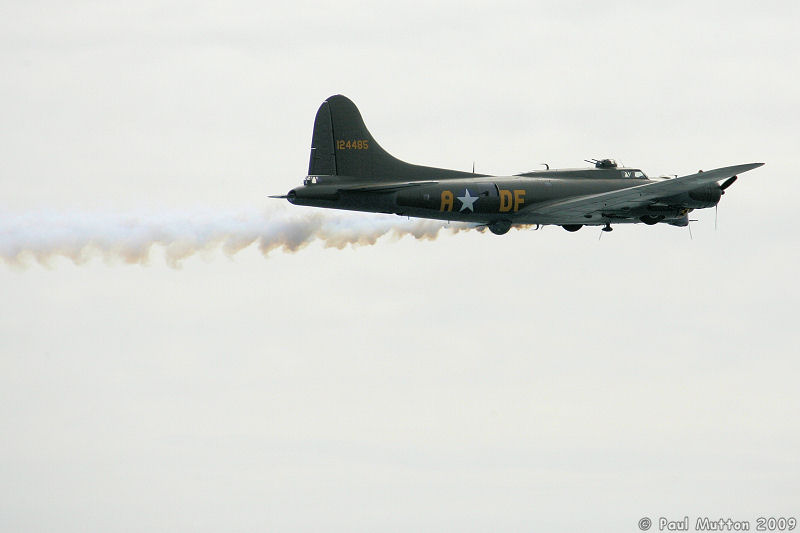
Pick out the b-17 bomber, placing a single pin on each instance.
(349, 170)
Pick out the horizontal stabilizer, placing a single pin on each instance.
(386, 187)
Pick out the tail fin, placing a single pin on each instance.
(341, 145)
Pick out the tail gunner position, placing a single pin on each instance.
(349, 170)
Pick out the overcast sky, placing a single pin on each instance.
(535, 381)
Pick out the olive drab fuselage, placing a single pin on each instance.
(349, 170)
(480, 199)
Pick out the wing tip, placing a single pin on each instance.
(742, 168)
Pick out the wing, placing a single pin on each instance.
(636, 196)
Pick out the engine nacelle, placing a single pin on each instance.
(706, 196)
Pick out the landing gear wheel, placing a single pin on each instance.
(651, 220)
(499, 227)
(572, 227)
(608, 227)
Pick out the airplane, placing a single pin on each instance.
(349, 170)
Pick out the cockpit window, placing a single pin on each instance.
(633, 174)
(310, 180)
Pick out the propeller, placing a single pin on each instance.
(727, 183)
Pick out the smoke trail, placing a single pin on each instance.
(129, 237)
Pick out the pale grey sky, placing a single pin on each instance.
(535, 381)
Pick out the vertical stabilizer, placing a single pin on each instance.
(341, 145)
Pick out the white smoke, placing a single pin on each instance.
(130, 237)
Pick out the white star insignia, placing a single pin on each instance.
(467, 201)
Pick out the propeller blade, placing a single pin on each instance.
(727, 183)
